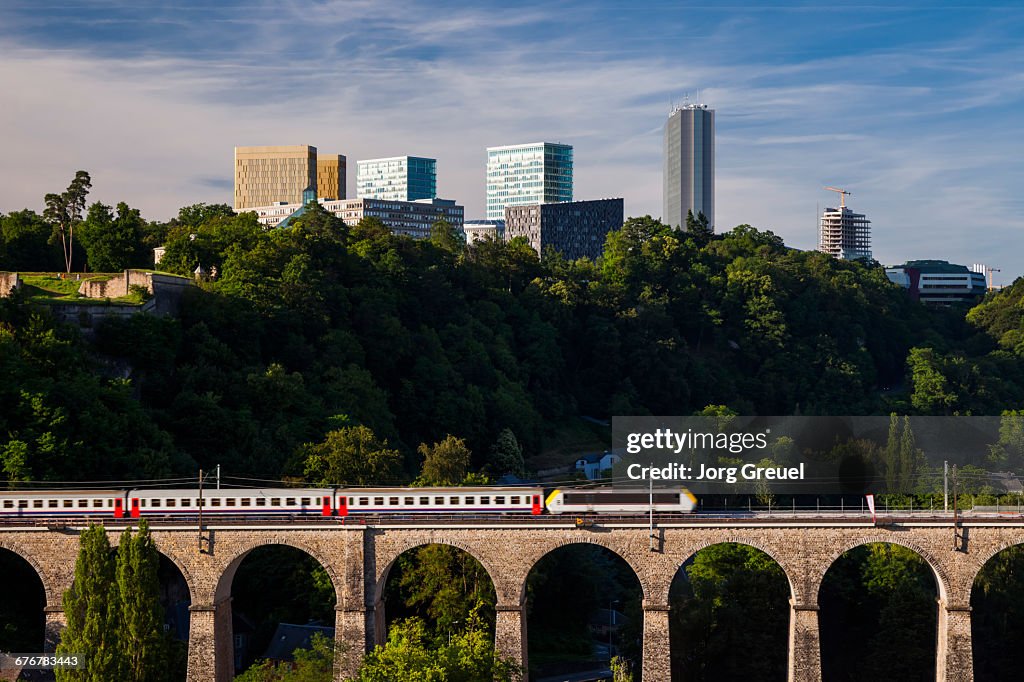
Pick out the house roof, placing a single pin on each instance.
(288, 637)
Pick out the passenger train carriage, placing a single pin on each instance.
(331, 502)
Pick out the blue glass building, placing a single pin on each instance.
(527, 174)
(399, 178)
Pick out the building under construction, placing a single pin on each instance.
(843, 233)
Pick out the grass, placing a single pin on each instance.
(49, 288)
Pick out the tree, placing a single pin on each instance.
(112, 241)
(25, 243)
(92, 608)
(64, 212)
(447, 237)
(444, 463)
(698, 227)
(506, 455)
(197, 214)
(352, 455)
(315, 664)
(142, 642)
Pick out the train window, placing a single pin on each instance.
(499, 500)
(438, 501)
(171, 502)
(154, 503)
(454, 501)
(245, 502)
(230, 502)
(410, 501)
(393, 502)
(22, 504)
(424, 501)
(8, 504)
(485, 499)
(69, 503)
(186, 502)
(275, 501)
(289, 501)
(306, 502)
(83, 503)
(261, 502)
(363, 501)
(52, 504)
(514, 499)
(378, 501)
(214, 501)
(97, 503)
(143, 503)
(470, 499)
(37, 504)
(110, 502)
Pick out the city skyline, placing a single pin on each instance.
(912, 108)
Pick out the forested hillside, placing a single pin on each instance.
(320, 326)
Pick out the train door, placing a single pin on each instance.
(135, 511)
(326, 509)
(536, 505)
(119, 508)
(342, 505)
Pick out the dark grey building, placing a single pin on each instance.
(575, 228)
(689, 164)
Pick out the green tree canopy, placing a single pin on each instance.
(352, 455)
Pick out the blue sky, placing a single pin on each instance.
(914, 107)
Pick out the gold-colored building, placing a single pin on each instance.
(330, 176)
(266, 175)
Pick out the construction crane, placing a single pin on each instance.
(990, 271)
(842, 195)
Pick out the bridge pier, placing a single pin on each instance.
(954, 653)
(352, 627)
(56, 621)
(211, 651)
(804, 643)
(657, 655)
(510, 635)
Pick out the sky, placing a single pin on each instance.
(913, 107)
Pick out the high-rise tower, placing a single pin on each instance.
(689, 164)
(527, 174)
(264, 175)
(399, 178)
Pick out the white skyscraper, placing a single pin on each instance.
(689, 164)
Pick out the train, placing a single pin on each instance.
(133, 503)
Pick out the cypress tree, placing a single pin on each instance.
(92, 607)
(143, 644)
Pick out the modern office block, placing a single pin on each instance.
(845, 234)
(400, 178)
(330, 176)
(413, 218)
(527, 174)
(689, 176)
(265, 175)
(938, 282)
(576, 229)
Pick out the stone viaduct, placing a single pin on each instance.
(359, 557)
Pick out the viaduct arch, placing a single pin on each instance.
(358, 557)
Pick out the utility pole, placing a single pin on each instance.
(651, 536)
(218, 477)
(200, 511)
(945, 486)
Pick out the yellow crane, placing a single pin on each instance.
(990, 271)
(842, 195)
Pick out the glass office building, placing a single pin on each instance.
(400, 178)
(527, 174)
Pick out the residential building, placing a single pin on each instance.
(264, 175)
(477, 230)
(938, 282)
(413, 218)
(527, 174)
(593, 465)
(330, 176)
(575, 229)
(400, 178)
(689, 174)
(845, 234)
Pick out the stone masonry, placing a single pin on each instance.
(359, 558)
